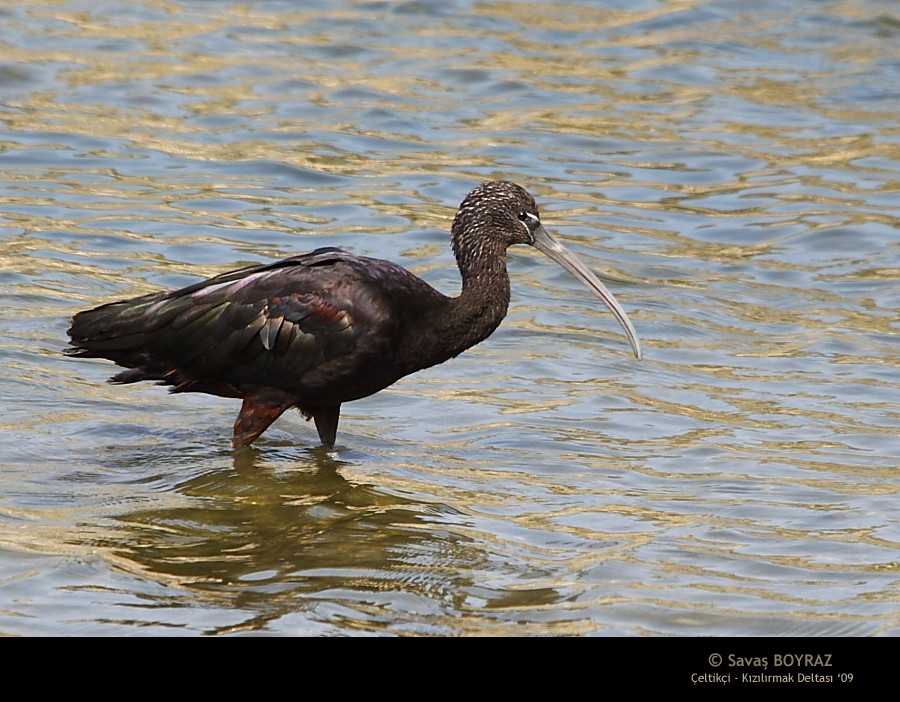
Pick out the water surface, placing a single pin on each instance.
(731, 172)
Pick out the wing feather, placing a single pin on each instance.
(310, 321)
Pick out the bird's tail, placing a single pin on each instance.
(126, 333)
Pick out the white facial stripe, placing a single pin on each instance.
(527, 230)
(530, 224)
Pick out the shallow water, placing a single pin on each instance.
(733, 174)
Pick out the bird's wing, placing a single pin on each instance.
(296, 324)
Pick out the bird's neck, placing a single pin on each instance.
(469, 318)
(483, 301)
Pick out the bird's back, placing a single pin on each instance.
(323, 326)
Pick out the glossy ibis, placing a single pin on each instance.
(320, 329)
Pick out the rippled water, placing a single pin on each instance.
(733, 172)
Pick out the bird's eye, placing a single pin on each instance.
(524, 216)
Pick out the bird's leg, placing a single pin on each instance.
(257, 412)
(326, 419)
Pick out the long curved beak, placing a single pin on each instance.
(546, 243)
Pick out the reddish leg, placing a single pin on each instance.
(257, 413)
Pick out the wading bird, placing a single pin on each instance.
(316, 330)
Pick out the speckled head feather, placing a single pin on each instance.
(489, 220)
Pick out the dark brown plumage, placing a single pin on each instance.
(320, 329)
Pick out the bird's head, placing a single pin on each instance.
(499, 214)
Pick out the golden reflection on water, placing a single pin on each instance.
(545, 483)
